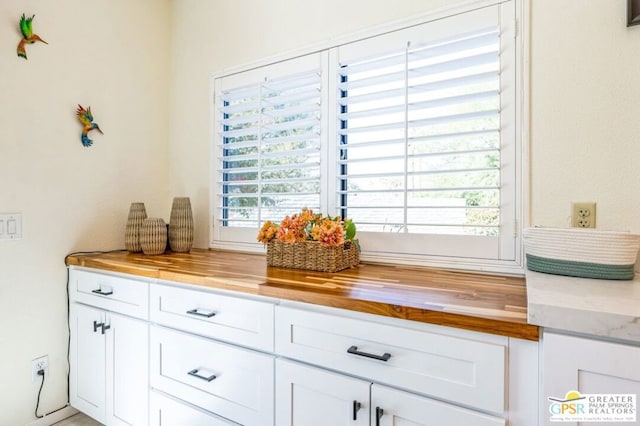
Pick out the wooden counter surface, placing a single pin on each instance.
(485, 303)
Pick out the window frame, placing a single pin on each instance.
(517, 26)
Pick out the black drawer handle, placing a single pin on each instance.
(356, 408)
(201, 314)
(384, 357)
(379, 413)
(103, 326)
(102, 293)
(194, 373)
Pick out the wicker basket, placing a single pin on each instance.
(312, 256)
(579, 252)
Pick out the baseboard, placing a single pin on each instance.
(55, 417)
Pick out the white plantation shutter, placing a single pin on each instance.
(412, 133)
(268, 146)
(420, 138)
(422, 130)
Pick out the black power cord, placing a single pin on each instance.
(40, 373)
(77, 253)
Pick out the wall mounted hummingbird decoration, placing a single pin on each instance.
(86, 118)
(28, 37)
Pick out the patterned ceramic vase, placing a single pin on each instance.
(153, 236)
(181, 225)
(137, 214)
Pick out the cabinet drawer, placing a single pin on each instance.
(165, 410)
(123, 295)
(233, 383)
(232, 319)
(467, 372)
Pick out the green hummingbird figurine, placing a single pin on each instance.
(28, 37)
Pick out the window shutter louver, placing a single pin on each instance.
(270, 149)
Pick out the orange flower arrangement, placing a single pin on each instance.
(308, 226)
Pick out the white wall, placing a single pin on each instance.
(114, 56)
(585, 93)
(585, 112)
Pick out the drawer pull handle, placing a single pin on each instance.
(379, 413)
(384, 357)
(356, 408)
(103, 326)
(102, 293)
(194, 373)
(201, 314)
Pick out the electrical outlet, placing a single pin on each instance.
(38, 364)
(583, 215)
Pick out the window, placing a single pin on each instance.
(411, 133)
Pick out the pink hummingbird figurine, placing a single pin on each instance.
(28, 37)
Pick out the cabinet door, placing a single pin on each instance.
(587, 366)
(127, 381)
(87, 361)
(393, 407)
(308, 396)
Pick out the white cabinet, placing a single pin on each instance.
(231, 319)
(310, 396)
(391, 407)
(399, 369)
(87, 377)
(109, 355)
(160, 353)
(464, 371)
(127, 374)
(588, 366)
(112, 293)
(165, 410)
(109, 358)
(202, 354)
(231, 382)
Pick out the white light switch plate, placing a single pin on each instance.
(10, 226)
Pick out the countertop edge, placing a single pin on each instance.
(600, 308)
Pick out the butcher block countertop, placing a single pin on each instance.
(486, 303)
